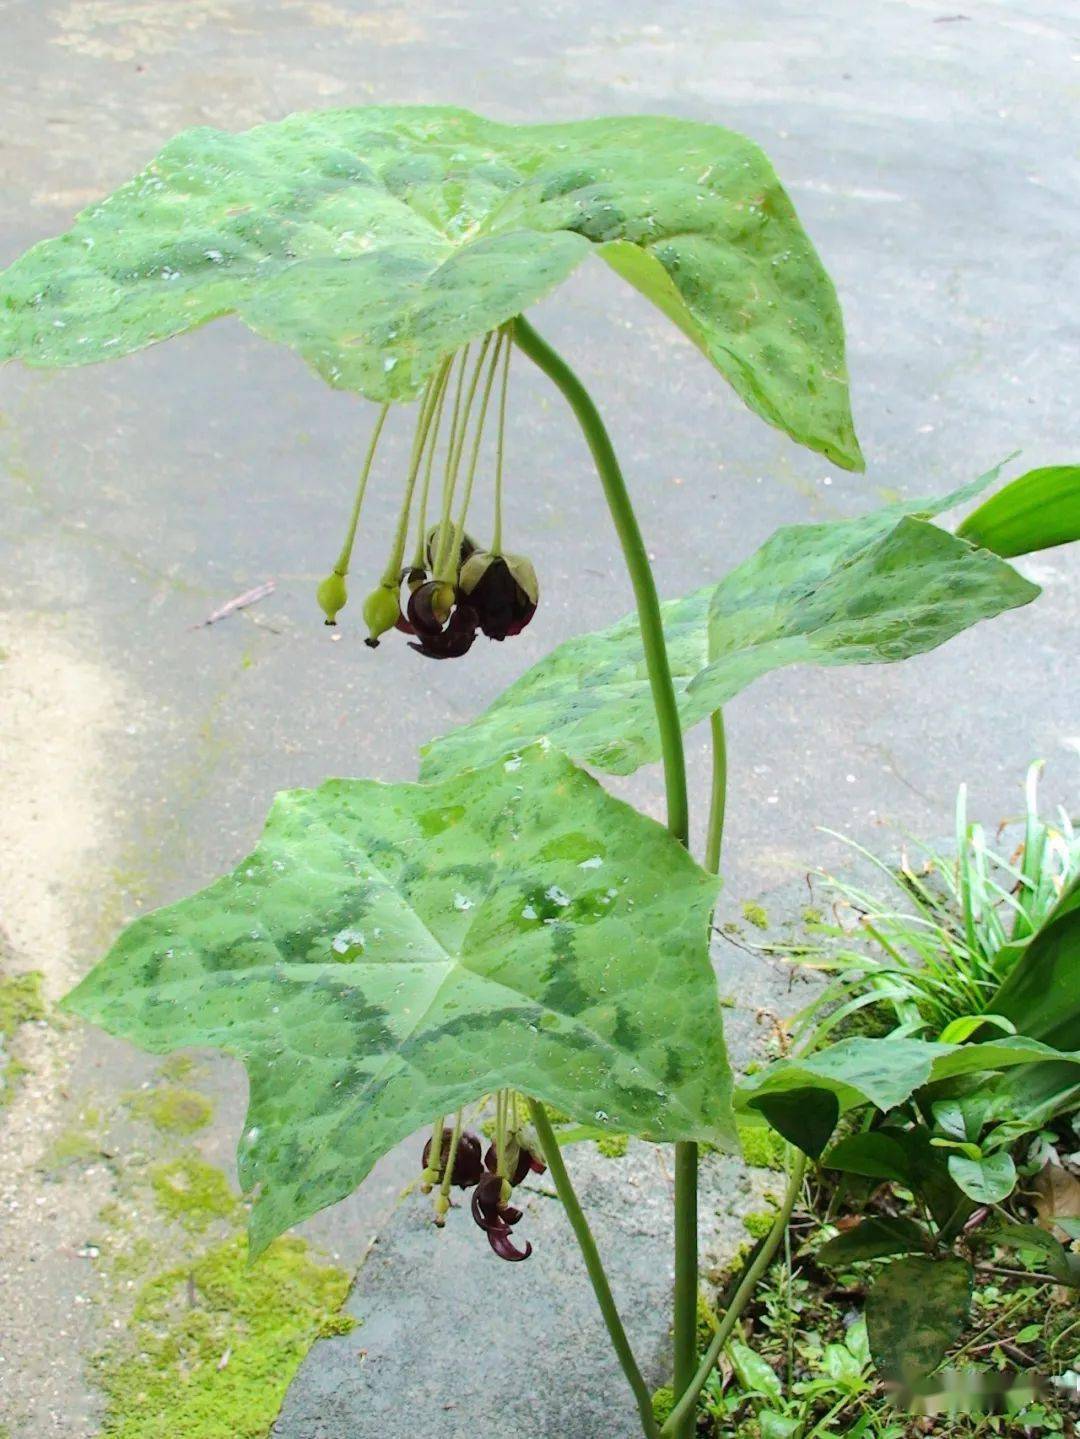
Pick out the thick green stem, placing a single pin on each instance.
(593, 1266)
(671, 745)
(637, 563)
(714, 836)
(687, 1403)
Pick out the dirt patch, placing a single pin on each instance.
(60, 712)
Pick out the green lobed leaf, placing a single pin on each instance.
(878, 588)
(375, 241)
(885, 1072)
(987, 1180)
(917, 1308)
(389, 953)
(873, 1238)
(1035, 512)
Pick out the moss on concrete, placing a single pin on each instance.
(211, 1347)
(754, 914)
(762, 1147)
(69, 1150)
(176, 1067)
(612, 1146)
(192, 1192)
(758, 1224)
(172, 1109)
(22, 1000)
(663, 1402)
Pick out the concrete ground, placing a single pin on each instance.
(932, 153)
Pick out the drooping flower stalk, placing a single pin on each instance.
(500, 447)
(478, 433)
(332, 594)
(445, 560)
(427, 409)
(419, 554)
(442, 1199)
(381, 608)
(433, 1165)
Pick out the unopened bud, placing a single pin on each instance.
(380, 613)
(332, 596)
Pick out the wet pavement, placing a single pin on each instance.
(933, 162)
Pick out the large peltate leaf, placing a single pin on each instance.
(391, 952)
(881, 587)
(376, 241)
(1035, 512)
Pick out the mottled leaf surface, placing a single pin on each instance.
(917, 1308)
(878, 588)
(886, 1072)
(375, 241)
(873, 1238)
(391, 952)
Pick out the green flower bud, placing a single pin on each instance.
(380, 613)
(332, 596)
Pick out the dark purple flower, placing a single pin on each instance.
(524, 1161)
(497, 1218)
(445, 630)
(468, 1169)
(503, 590)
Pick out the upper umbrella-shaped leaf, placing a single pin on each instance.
(391, 952)
(881, 587)
(376, 241)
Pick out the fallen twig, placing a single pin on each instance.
(238, 602)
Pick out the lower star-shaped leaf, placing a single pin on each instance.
(389, 953)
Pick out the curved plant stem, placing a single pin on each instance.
(714, 835)
(671, 745)
(687, 1403)
(591, 1255)
(637, 563)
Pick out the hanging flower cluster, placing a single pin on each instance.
(510, 1157)
(452, 589)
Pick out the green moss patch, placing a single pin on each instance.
(192, 1192)
(612, 1146)
(754, 914)
(758, 1224)
(211, 1348)
(22, 1000)
(762, 1147)
(172, 1109)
